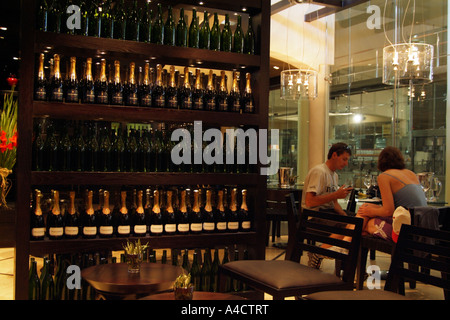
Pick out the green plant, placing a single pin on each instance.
(183, 281)
(135, 248)
(8, 132)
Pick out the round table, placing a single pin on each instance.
(113, 281)
(198, 295)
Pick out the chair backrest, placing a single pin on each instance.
(421, 247)
(316, 228)
(276, 199)
(293, 203)
(351, 204)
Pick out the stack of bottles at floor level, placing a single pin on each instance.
(51, 283)
(168, 211)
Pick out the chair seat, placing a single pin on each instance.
(282, 274)
(376, 294)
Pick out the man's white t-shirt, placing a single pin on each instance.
(320, 180)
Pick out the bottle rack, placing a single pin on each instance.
(33, 42)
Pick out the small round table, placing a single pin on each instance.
(198, 295)
(113, 281)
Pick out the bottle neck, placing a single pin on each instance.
(172, 77)
(89, 208)
(73, 72)
(132, 79)
(244, 201)
(156, 207)
(41, 74)
(169, 207)
(103, 71)
(56, 210)
(186, 78)
(248, 88)
(233, 204)
(117, 73)
(123, 208)
(140, 207)
(89, 69)
(105, 209)
(37, 209)
(198, 83)
(220, 205)
(146, 75)
(196, 207)
(72, 203)
(158, 75)
(208, 205)
(56, 70)
(183, 207)
(210, 81)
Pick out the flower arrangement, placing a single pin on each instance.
(183, 288)
(134, 252)
(8, 141)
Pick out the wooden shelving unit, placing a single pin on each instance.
(33, 42)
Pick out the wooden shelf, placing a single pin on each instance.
(100, 112)
(141, 178)
(42, 247)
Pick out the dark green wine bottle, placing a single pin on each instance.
(95, 21)
(215, 272)
(238, 39)
(54, 17)
(196, 272)
(169, 29)
(34, 285)
(47, 283)
(158, 27)
(205, 33)
(215, 34)
(145, 31)
(107, 20)
(85, 15)
(194, 31)
(206, 271)
(181, 33)
(226, 259)
(249, 43)
(42, 18)
(226, 36)
(120, 22)
(104, 156)
(133, 20)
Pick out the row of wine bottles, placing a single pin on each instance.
(51, 282)
(168, 212)
(170, 94)
(60, 145)
(110, 19)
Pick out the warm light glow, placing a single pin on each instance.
(305, 84)
(357, 118)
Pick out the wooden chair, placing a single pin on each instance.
(284, 278)
(412, 248)
(275, 211)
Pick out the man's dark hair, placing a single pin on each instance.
(339, 148)
(390, 158)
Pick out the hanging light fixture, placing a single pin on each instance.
(298, 83)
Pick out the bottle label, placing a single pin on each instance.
(71, 231)
(89, 231)
(102, 97)
(72, 95)
(246, 225)
(38, 232)
(221, 226)
(142, 228)
(132, 99)
(106, 230)
(57, 94)
(156, 228)
(249, 108)
(40, 94)
(208, 226)
(223, 106)
(146, 100)
(89, 97)
(196, 227)
(170, 228)
(159, 101)
(236, 106)
(187, 102)
(56, 232)
(117, 98)
(233, 225)
(197, 104)
(210, 105)
(123, 229)
(183, 227)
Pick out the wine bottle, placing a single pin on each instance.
(158, 94)
(123, 223)
(171, 91)
(248, 105)
(140, 221)
(55, 223)
(118, 152)
(106, 223)
(169, 29)
(236, 284)
(107, 20)
(42, 18)
(197, 93)
(51, 149)
(215, 272)
(220, 213)
(194, 31)
(40, 91)
(158, 27)
(226, 36)
(87, 84)
(71, 219)
(245, 223)
(131, 88)
(56, 84)
(183, 214)
(185, 264)
(61, 267)
(222, 94)
(84, 23)
(182, 31)
(89, 220)
(215, 34)
(204, 33)
(116, 88)
(249, 40)
(120, 21)
(54, 17)
(101, 85)
(95, 21)
(72, 82)
(170, 225)
(156, 226)
(91, 150)
(196, 225)
(144, 150)
(238, 39)
(145, 88)
(131, 152)
(37, 222)
(104, 154)
(78, 151)
(196, 277)
(34, 285)
(233, 217)
(209, 99)
(208, 217)
(132, 30)
(206, 271)
(47, 283)
(226, 259)
(234, 98)
(185, 92)
(145, 31)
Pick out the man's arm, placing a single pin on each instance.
(313, 200)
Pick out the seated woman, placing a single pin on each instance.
(398, 187)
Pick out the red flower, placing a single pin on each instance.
(13, 139)
(3, 138)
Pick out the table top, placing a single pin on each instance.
(114, 278)
(198, 295)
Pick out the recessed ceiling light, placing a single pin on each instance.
(276, 67)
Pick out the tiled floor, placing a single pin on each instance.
(421, 292)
